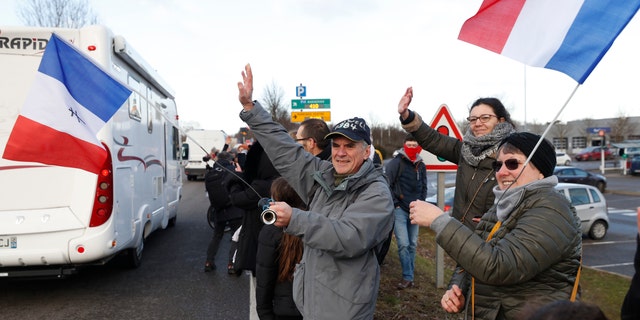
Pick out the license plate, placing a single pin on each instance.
(8, 242)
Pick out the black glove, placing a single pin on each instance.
(206, 158)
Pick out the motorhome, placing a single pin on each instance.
(197, 144)
(54, 220)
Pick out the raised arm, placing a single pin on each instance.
(245, 88)
(405, 101)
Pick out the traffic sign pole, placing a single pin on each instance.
(443, 123)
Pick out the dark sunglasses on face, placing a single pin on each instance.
(511, 164)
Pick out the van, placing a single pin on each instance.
(50, 221)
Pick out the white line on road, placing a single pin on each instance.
(612, 265)
(606, 242)
(626, 212)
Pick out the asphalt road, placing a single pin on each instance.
(170, 283)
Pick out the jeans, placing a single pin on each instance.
(407, 239)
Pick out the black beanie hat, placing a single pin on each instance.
(545, 157)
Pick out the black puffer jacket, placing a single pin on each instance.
(272, 298)
(531, 260)
(259, 173)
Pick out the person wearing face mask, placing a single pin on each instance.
(525, 251)
(407, 177)
(489, 122)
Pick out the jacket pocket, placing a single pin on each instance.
(298, 286)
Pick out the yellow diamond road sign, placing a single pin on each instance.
(299, 116)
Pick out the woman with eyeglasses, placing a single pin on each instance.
(489, 122)
(525, 251)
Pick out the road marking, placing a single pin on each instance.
(606, 242)
(626, 212)
(613, 265)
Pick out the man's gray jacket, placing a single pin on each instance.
(339, 276)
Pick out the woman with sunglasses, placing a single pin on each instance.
(489, 122)
(525, 251)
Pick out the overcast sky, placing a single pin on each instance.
(361, 54)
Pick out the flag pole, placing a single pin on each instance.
(524, 78)
(544, 134)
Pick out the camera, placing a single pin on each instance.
(267, 216)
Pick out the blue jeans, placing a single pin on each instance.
(407, 239)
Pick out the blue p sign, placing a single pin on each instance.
(301, 91)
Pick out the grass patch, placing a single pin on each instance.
(604, 289)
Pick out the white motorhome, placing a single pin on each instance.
(198, 143)
(53, 219)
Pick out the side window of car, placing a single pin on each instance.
(579, 173)
(595, 196)
(579, 196)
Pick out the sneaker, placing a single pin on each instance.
(405, 284)
(208, 267)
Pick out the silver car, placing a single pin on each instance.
(591, 207)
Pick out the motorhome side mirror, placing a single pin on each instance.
(185, 151)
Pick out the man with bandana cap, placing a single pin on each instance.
(407, 177)
(348, 215)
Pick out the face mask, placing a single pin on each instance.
(412, 152)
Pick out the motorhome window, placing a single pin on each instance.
(150, 109)
(135, 104)
(176, 143)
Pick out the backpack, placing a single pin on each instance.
(215, 184)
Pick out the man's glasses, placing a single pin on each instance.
(483, 118)
(511, 164)
(302, 139)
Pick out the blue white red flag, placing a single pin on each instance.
(570, 36)
(70, 100)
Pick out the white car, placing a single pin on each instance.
(591, 207)
(562, 159)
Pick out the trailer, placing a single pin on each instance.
(197, 144)
(55, 220)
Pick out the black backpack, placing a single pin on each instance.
(216, 186)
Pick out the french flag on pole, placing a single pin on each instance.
(70, 101)
(570, 36)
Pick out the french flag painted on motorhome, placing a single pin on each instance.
(570, 36)
(70, 100)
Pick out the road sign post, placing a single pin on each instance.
(442, 122)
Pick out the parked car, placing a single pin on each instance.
(577, 175)
(593, 153)
(634, 164)
(591, 207)
(448, 199)
(563, 159)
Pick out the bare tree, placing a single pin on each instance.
(621, 127)
(273, 101)
(536, 127)
(57, 13)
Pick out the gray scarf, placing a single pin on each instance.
(475, 149)
(508, 200)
